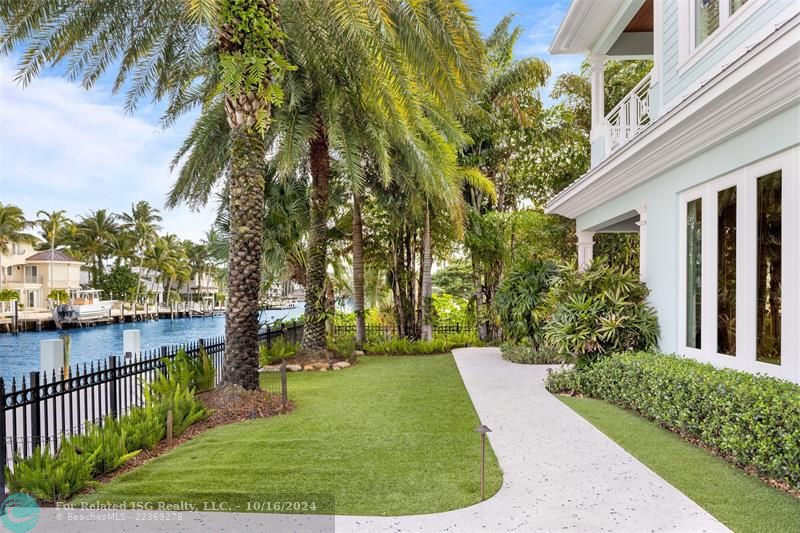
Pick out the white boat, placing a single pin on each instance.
(86, 305)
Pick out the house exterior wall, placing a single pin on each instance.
(682, 69)
(660, 196)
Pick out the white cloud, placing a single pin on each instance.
(62, 147)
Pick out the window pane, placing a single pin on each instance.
(726, 271)
(768, 314)
(706, 19)
(694, 241)
(736, 4)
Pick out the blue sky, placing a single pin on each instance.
(62, 147)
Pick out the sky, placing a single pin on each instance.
(62, 147)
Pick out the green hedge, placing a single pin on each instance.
(752, 420)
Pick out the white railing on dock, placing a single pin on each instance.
(630, 116)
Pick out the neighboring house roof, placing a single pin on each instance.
(48, 256)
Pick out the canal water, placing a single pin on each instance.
(19, 354)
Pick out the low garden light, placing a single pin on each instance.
(483, 430)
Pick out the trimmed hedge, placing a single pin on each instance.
(752, 420)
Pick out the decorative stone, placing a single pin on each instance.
(341, 364)
(294, 368)
(270, 368)
(335, 368)
(323, 369)
(358, 353)
(308, 368)
(319, 366)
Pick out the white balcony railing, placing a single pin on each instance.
(630, 116)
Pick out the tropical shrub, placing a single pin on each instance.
(439, 344)
(527, 354)
(454, 280)
(58, 296)
(520, 301)
(7, 295)
(186, 409)
(448, 309)
(104, 446)
(194, 373)
(50, 477)
(278, 350)
(752, 420)
(600, 311)
(143, 428)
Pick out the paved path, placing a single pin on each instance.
(559, 474)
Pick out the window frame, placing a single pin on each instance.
(745, 180)
(689, 51)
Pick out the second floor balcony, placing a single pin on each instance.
(630, 116)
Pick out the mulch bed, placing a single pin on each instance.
(228, 405)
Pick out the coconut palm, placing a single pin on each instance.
(142, 224)
(50, 225)
(95, 234)
(186, 52)
(12, 230)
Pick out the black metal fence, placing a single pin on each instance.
(43, 410)
(391, 331)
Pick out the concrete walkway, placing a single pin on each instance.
(559, 474)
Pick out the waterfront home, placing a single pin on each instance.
(35, 274)
(202, 284)
(701, 160)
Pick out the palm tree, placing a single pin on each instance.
(142, 224)
(96, 232)
(50, 224)
(185, 52)
(12, 230)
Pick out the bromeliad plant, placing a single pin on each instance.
(600, 311)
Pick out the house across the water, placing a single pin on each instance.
(701, 160)
(34, 274)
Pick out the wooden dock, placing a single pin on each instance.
(43, 320)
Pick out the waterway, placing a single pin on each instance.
(19, 354)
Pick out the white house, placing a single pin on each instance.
(701, 159)
(34, 274)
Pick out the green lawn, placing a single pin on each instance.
(389, 436)
(742, 502)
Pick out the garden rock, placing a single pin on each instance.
(340, 365)
(294, 368)
(270, 368)
(308, 368)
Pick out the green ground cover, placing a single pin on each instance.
(743, 503)
(389, 436)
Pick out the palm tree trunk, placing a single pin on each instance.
(358, 271)
(426, 300)
(139, 275)
(314, 342)
(246, 185)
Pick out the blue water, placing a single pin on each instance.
(19, 354)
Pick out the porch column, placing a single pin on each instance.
(597, 65)
(642, 243)
(585, 249)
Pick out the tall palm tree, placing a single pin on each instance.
(142, 224)
(12, 230)
(50, 224)
(95, 233)
(187, 52)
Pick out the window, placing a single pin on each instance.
(706, 19)
(768, 300)
(726, 271)
(735, 5)
(694, 257)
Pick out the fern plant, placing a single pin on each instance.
(104, 446)
(50, 477)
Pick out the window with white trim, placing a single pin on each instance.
(738, 243)
(710, 15)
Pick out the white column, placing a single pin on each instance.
(597, 74)
(585, 249)
(51, 356)
(642, 243)
(131, 343)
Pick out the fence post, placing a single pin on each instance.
(284, 392)
(36, 423)
(3, 457)
(112, 396)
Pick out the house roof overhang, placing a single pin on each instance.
(593, 26)
(762, 82)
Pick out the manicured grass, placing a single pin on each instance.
(742, 502)
(389, 436)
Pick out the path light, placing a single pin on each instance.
(483, 430)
